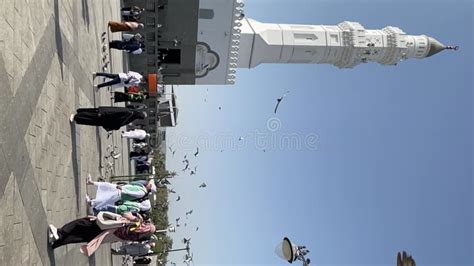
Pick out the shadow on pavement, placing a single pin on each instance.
(52, 258)
(75, 166)
(85, 13)
(92, 260)
(58, 37)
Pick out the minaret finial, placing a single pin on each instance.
(452, 47)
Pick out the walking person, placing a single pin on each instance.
(117, 26)
(110, 118)
(129, 97)
(126, 206)
(131, 11)
(135, 134)
(139, 146)
(110, 194)
(130, 78)
(127, 227)
(135, 249)
(132, 46)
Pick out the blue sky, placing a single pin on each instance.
(380, 159)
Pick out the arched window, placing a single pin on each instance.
(205, 13)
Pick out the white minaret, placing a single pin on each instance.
(345, 45)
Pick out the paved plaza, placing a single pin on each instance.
(48, 49)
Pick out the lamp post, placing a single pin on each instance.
(290, 252)
(170, 229)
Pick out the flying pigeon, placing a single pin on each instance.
(279, 101)
(193, 172)
(177, 219)
(189, 212)
(186, 240)
(186, 167)
(196, 154)
(241, 138)
(171, 191)
(203, 185)
(179, 197)
(197, 228)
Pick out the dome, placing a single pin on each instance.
(435, 47)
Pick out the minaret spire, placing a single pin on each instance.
(344, 45)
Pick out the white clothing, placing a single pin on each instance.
(127, 36)
(136, 78)
(140, 145)
(107, 194)
(135, 134)
(138, 51)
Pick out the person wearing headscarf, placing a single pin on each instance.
(131, 46)
(129, 97)
(111, 194)
(110, 118)
(131, 11)
(127, 206)
(139, 134)
(117, 26)
(131, 78)
(135, 249)
(129, 228)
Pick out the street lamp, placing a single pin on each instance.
(291, 252)
(170, 229)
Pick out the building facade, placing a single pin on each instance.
(205, 41)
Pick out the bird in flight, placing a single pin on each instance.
(241, 138)
(189, 212)
(193, 172)
(203, 185)
(171, 191)
(179, 197)
(186, 167)
(279, 101)
(177, 219)
(197, 228)
(196, 154)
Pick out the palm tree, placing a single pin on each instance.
(403, 259)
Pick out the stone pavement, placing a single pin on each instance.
(48, 49)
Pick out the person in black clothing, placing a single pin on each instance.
(110, 118)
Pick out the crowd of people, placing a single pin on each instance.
(120, 212)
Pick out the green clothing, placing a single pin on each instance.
(135, 97)
(132, 192)
(128, 206)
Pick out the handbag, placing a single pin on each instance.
(109, 220)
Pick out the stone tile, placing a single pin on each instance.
(17, 230)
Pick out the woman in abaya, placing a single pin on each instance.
(110, 118)
(87, 230)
